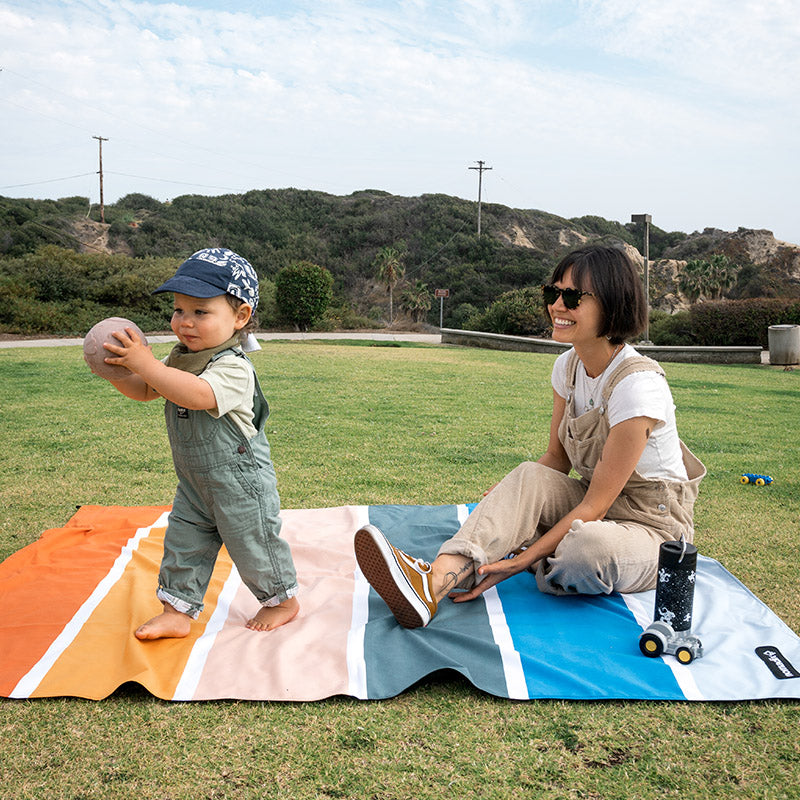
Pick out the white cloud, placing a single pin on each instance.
(582, 107)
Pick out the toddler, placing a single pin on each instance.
(215, 413)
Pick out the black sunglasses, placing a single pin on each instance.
(571, 297)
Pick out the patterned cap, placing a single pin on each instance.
(212, 272)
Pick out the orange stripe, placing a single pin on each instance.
(43, 585)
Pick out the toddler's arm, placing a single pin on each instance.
(151, 378)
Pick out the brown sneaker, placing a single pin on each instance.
(404, 583)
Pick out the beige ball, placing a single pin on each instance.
(94, 352)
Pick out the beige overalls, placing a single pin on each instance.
(618, 553)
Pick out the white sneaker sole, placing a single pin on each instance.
(378, 562)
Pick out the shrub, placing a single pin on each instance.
(303, 292)
(462, 317)
(671, 330)
(741, 322)
(519, 313)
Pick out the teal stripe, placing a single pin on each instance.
(459, 637)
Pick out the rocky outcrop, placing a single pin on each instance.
(745, 246)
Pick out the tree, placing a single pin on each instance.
(416, 300)
(303, 292)
(692, 279)
(709, 279)
(390, 270)
(722, 274)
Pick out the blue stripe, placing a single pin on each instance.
(581, 647)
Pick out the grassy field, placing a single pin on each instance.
(398, 424)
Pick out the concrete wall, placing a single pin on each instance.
(692, 355)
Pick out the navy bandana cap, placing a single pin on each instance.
(212, 272)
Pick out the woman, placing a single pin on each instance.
(613, 422)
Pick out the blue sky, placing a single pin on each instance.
(687, 109)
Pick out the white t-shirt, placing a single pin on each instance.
(641, 394)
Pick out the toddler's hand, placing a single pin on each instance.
(131, 352)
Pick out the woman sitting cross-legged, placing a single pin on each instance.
(613, 423)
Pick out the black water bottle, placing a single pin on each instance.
(677, 562)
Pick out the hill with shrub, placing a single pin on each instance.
(61, 269)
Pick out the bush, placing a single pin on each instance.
(741, 322)
(518, 313)
(671, 330)
(266, 314)
(462, 316)
(303, 292)
(343, 317)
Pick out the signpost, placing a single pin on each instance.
(441, 294)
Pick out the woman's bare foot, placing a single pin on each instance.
(170, 624)
(270, 617)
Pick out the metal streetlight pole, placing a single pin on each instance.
(646, 219)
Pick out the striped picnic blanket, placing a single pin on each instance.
(69, 604)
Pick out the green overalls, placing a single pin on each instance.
(227, 494)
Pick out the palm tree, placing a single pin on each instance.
(692, 279)
(390, 270)
(707, 278)
(416, 300)
(722, 274)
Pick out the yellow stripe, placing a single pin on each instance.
(106, 654)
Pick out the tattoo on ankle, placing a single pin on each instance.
(452, 579)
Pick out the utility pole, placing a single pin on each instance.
(481, 169)
(100, 141)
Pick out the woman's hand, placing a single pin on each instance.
(495, 573)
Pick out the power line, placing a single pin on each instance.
(167, 180)
(51, 180)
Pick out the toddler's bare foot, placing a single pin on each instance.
(270, 617)
(170, 624)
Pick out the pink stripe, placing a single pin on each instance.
(313, 647)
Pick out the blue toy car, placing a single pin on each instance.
(758, 480)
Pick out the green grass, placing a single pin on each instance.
(364, 424)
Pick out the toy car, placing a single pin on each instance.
(758, 480)
(659, 637)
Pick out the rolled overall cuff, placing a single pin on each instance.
(277, 599)
(190, 609)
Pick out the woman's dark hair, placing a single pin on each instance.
(613, 279)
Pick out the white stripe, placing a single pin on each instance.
(193, 670)
(516, 685)
(31, 680)
(356, 662)
(642, 610)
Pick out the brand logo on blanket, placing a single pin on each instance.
(777, 662)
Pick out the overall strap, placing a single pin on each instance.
(572, 371)
(637, 363)
(260, 403)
